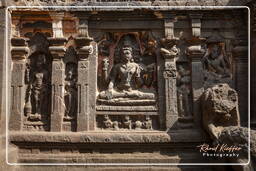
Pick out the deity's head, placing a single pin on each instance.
(127, 118)
(126, 54)
(106, 117)
(180, 68)
(40, 60)
(216, 50)
(70, 71)
(147, 118)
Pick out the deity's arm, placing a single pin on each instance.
(112, 77)
(149, 74)
(223, 63)
(204, 59)
(138, 80)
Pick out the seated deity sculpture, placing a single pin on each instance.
(125, 80)
(215, 64)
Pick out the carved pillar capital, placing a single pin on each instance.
(196, 24)
(57, 47)
(19, 53)
(57, 26)
(83, 25)
(19, 48)
(169, 20)
(84, 47)
(195, 52)
(57, 52)
(15, 31)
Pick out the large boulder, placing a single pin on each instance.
(219, 109)
(220, 117)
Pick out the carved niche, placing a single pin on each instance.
(70, 96)
(37, 80)
(127, 80)
(70, 89)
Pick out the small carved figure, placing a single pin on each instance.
(183, 90)
(138, 125)
(147, 123)
(38, 89)
(107, 122)
(215, 63)
(115, 125)
(70, 96)
(150, 48)
(105, 72)
(148, 63)
(127, 122)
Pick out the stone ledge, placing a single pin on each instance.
(110, 137)
(129, 3)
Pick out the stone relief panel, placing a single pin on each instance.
(127, 80)
(37, 79)
(127, 122)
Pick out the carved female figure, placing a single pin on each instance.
(38, 88)
(215, 63)
(183, 91)
(70, 92)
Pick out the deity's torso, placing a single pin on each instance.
(40, 79)
(215, 64)
(126, 74)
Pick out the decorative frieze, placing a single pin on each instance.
(127, 122)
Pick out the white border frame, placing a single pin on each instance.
(120, 8)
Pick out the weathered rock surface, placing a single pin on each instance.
(221, 121)
(219, 109)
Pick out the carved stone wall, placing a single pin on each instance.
(87, 83)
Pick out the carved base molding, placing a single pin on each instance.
(109, 147)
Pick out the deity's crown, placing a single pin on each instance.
(127, 48)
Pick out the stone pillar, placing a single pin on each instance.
(195, 53)
(171, 108)
(253, 64)
(57, 50)
(85, 120)
(240, 55)
(197, 83)
(19, 53)
(170, 94)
